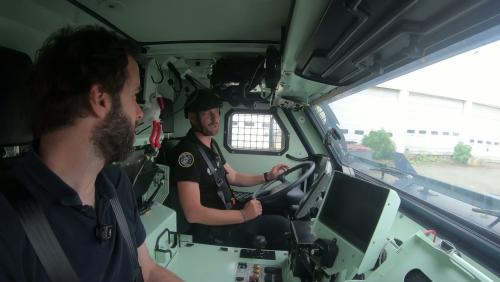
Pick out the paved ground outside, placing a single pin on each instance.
(483, 179)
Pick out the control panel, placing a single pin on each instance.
(250, 272)
(257, 254)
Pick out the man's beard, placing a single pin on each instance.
(114, 137)
(205, 130)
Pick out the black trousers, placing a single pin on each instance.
(273, 227)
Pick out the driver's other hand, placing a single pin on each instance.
(277, 170)
(252, 209)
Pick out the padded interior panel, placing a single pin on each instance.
(15, 104)
(361, 40)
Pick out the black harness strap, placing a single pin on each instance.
(232, 195)
(216, 146)
(42, 237)
(222, 188)
(125, 231)
(39, 233)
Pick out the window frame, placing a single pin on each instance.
(485, 250)
(284, 130)
(468, 238)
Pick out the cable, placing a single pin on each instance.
(139, 172)
(142, 130)
(161, 73)
(256, 70)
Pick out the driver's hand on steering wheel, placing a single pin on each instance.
(252, 209)
(276, 171)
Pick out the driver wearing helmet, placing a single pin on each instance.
(203, 180)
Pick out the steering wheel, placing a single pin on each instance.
(267, 192)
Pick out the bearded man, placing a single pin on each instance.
(85, 83)
(203, 179)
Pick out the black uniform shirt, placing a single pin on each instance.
(73, 225)
(188, 165)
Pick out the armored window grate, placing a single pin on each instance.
(255, 131)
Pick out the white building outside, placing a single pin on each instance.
(431, 110)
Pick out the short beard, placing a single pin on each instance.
(199, 128)
(113, 139)
(202, 130)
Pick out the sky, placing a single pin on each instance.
(473, 75)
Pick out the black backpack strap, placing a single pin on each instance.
(39, 233)
(125, 231)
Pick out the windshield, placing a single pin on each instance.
(433, 133)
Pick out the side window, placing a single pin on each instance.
(255, 132)
(444, 137)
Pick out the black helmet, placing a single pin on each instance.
(202, 100)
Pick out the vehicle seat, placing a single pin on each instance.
(172, 200)
(201, 233)
(15, 106)
(141, 171)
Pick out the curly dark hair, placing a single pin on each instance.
(68, 64)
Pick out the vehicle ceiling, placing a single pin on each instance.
(188, 29)
(156, 21)
(195, 29)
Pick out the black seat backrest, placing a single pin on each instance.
(165, 154)
(15, 102)
(166, 157)
(172, 201)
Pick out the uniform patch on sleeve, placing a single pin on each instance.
(186, 159)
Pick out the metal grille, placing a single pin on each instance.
(256, 131)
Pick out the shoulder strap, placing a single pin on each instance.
(218, 180)
(125, 231)
(39, 233)
(217, 148)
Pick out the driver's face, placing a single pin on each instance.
(210, 121)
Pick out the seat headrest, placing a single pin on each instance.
(165, 155)
(15, 103)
